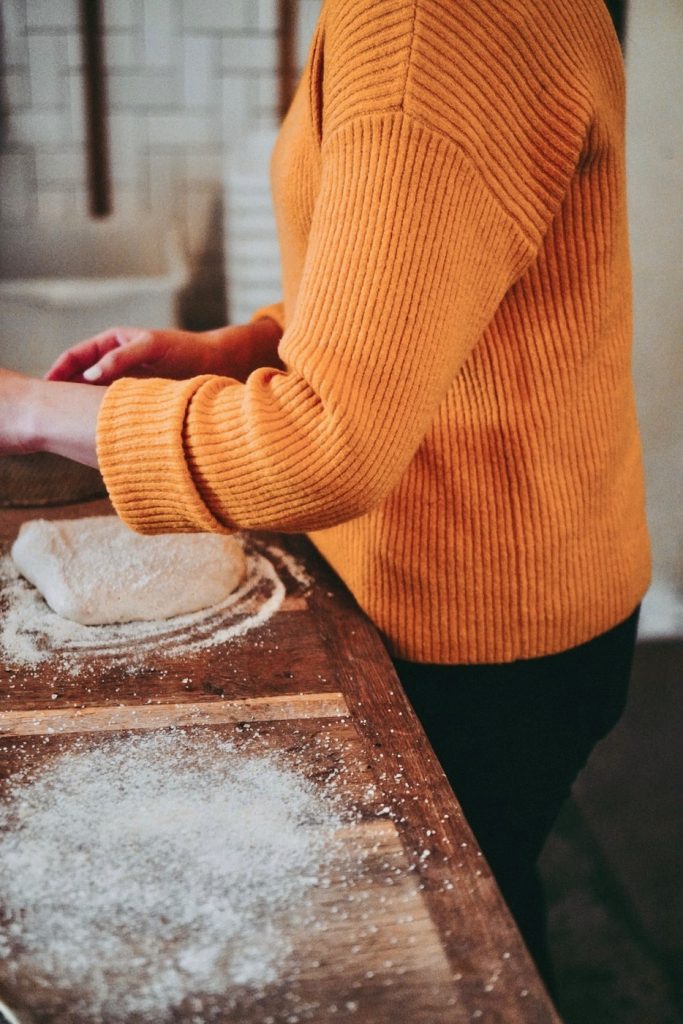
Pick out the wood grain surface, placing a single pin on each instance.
(163, 716)
(318, 669)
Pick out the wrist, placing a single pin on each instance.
(31, 422)
(64, 419)
(265, 330)
(265, 339)
(228, 350)
(237, 350)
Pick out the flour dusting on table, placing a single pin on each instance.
(155, 866)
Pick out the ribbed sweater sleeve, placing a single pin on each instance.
(409, 255)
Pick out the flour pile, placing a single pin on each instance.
(156, 867)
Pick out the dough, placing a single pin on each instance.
(96, 570)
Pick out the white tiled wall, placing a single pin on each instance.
(185, 79)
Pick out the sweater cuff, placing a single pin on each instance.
(140, 448)
(275, 311)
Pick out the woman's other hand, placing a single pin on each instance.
(232, 351)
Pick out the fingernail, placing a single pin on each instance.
(92, 373)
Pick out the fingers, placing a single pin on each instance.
(126, 360)
(105, 356)
(71, 364)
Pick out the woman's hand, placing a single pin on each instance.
(38, 415)
(232, 351)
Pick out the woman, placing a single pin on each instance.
(442, 399)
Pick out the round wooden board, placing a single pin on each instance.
(43, 479)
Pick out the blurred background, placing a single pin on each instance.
(134, 145)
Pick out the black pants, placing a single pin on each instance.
(512, 738)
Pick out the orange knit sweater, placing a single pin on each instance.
(455, 425)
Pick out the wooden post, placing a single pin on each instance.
(286, 19)
(618, 11)
(96, 122)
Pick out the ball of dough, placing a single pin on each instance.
(96, 571)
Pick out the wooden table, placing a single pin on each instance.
(318, 664)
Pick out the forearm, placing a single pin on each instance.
(61, 418)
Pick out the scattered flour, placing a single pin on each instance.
(156, 868)
(31, 633)
(291, 566)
